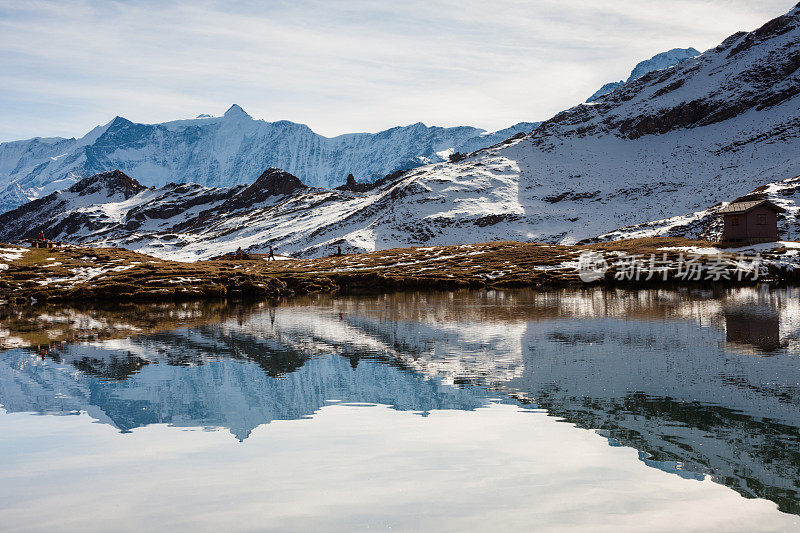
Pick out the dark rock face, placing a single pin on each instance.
(40, 216)
(491, 220)
(353, 186)
(570, 195)
(389, 178)
(114, 181)
(273, 182)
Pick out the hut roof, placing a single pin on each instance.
(744, 207)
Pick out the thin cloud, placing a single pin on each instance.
(360, 66)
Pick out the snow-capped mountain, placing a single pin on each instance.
(671, 142)
(226, 151)
(660, 61)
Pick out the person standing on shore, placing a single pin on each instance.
(271, 254)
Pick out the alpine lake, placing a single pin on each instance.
(518, 410)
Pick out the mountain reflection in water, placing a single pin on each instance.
(699, 383)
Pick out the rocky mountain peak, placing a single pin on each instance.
(272, 182)
(660, 61)
(112, 182)
(663, 60)
(118, 122)
(277, 181)
(235, 111)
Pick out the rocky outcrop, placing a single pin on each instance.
(272, 182)
(353, 186)
(109, 183)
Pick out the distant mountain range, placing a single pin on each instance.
(657, 62)
(225, 151)
(232, 149)
(674, 141)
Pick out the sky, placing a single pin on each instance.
(338, 66)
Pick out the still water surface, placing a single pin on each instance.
(465, 411)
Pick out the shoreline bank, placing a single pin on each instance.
(85, 274)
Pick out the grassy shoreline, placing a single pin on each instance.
(84, 274)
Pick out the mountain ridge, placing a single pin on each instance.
(667, 59)
(225, 151)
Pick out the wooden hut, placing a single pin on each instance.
(751, 221)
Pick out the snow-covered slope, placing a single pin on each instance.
(189, 221)
(660, 61)
(671, 142)
(224, 151)
(707, 223)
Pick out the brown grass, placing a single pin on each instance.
(145, 278)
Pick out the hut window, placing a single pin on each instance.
(761, 219)
(735, 220)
